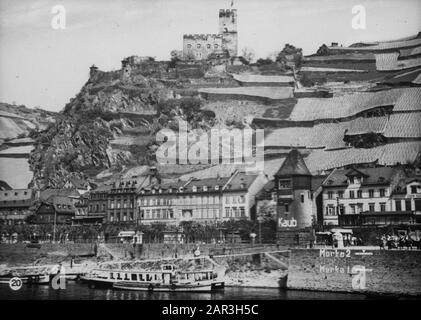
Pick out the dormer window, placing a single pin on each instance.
(205, 188)
(153, 191)
(242, 186)
(216, 187)
(160, 190)
(170, 190)
(194, 188)
(198, 46)
(181, 189)
(381, 179)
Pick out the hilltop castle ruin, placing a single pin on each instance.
(223, 44)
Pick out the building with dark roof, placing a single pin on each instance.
(121, 206)
(355, 191)
(293, 183)
(57, 209)
(206, 200)
(15, 205)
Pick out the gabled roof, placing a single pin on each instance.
(294, 165)
(353, 172)
(240, 181)
(373, 176)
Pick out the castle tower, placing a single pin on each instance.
(294, 198)
(93, 70)
(228, 30)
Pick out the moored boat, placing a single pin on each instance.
(166, 279)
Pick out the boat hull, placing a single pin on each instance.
(194, 287)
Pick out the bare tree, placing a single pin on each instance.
(248, 54)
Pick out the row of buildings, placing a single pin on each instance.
(297, 199)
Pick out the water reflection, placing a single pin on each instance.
(78, 291)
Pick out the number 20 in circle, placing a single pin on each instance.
(15, 283)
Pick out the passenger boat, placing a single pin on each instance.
(166, 279)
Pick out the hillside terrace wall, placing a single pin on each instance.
(386, 271)
(161, 250)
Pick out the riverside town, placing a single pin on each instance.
(210, 150)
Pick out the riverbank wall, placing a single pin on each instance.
(395, 272)
(18, 254)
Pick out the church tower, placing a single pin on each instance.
(228, 30)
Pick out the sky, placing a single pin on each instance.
(45, 67)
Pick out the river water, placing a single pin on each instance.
(79, 291)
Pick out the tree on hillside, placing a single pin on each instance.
(248, 54)
(290, 56)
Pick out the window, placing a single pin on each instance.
(413, 189)
(208, 46)
(408, 205)
(352, 194)
(189, 46)
(302, 198)
(382, 192)
(382, 206)
(371, 207)
(359, 194)
(341, 209)
(398, 205)
(330, 211)
(215, 46)
(198, 46)
(330, 195)
(340, 194)
(371, 193)
(284, 184)
(286, 208)
(227, 212)
(16, 193)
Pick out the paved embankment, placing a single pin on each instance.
(369, 271)
(18, 254)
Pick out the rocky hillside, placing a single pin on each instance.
(110, 125)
